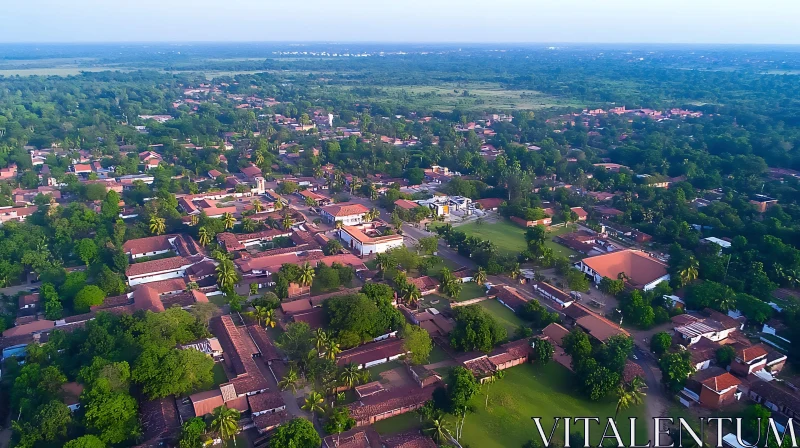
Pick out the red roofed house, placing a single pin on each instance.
(373, 353)
(148, 247)
(348, 213)
(525, 223)
(509, 297)
(81, 168)
(405, 204)
(490, 203)
(319, 200)
(642, 271)
(719, 390)
(749, 360)
(155, 270)
(367, 240)
(582, 215)
(251, 172)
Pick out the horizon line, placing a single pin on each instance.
(390, 42)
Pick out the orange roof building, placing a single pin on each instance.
(640, 270)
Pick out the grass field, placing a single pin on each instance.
(503, 315)
(375, 372)
(510, 238)
(398, 424)
(535, 391)
(471, 290)
(447, 96)
(437, 355)
(219, 374)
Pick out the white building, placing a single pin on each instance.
(366, 241)
(155, 270)
(348, 214)
(640, 270)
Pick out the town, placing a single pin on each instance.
(250, 260)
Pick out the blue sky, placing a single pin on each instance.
(602, 21)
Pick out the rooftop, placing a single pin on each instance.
(640, 268)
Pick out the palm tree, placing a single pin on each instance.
(630, 394)
(258, 206)
(411, 294)
(229, 220)
(290, 380)
(437, 429)
(727, 301)
(287, 222)
(480, 276)
(157, 225)
(259, 313)
(350, 376)
(382, 262)
(225, 422)
(279, 204)
(320, 340)
(516, 272)
(332, 349)
(453, 288)
(259, 158)
(205, 236)
(306, 274)
(314, 404)
(339, 225)
(226, 274)
(248, 225)
(689, 272)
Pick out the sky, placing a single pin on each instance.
(489, 21)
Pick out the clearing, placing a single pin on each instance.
(510, 238)
(503, 315)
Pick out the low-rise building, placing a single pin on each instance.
(349, 214)
(367, 240)
(638, 269)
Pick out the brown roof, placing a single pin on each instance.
(262, 341)
(71, 392)
(29, 328)
(778, 393)
(345, 209)
(406, 204)
(184, 299)
(490, 203)
(149, 244)
(637, 265)
(480, 366)
(270, 420)
(510, 296)
(368, 389)
(555, 333)
(721, 382)
(29, 299)
(239, 350)
(159, 420)
(167, 286)
(409, 440)
(425, 283)
(315, 318)
(146, 298)
(389, 401)
(361, 437)
(640, 267)
(599, 327)
(265, 401)
(750, 353)
(251, 171)
(153, 266)
(296, 306)
(372, 351)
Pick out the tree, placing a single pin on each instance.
(263, 314)
(350, 375)
(453, 288)
(289, 381)
(676, 367)
(339, 421)
(543, 351)
(166, 371)
(248, 225)
(515, 272)
(87, 250)
(332, 349)
(417, 341)
(428, 245)
(461, 387)
(725, 355)
(383, 261)
(297, 433)
(410, 294)
(112, 416)
(577, 281)
(193, 433)
(475, 329)
(689, 271)
(225, 423)
(630, 394)
(314, 403)
(52, 420)
(611, 287)
(306, 274)
(480, 276)
(204, 235)
(287, 221)
(332, 247)
(157, 225)
(88, 441)
(88, 297)
(227, 275)
(228, 220)
(660, 343)
(438, 430)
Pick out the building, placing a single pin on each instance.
(390, 403)
(508, 296)
(492, 204)
(425, 284)
(270, 264)
(155, 270)
(349, 214)
(373, 353)
(18, 214)
(506, 356)
(716, 327)
(366, 239)
(749, 360)
(762, 202)
(640, 270)
(555, 333)
(319, 200)
(561, 298)
(719, 390)
(526, 223)
(781, 397)
(593, 324)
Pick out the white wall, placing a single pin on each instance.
(156, 277)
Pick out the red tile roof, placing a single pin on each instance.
(153, 266)
(490, 203)
(409, 440)
(750, 353)
(372, 351)
(640, 267)
(406, 204)
(265, 401)
(149, 244)
(167, 286)
(721, 382)
(345, 209)
(393, 400)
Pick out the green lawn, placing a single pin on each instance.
(471, 290)
(218, 299)
(558, 248)
(503, 315)
(442, 304)
(375, 372)
(437, 355)
(529, 391)
(401, 423)
(508, 237)
(219, 374)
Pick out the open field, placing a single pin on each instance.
(471, 290)
(472, 95)
(219, 374)
(535, 391)
(398, 424)
(510, 238)
(503, 315)
(54, 71)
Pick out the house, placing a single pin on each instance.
(390, 403)
(81, 168)
(405, 204)
(492, 204)
(506, 356)
(161, 423)
(319, 200)
(409, 440)
(270, 264)
(526, 223)
(762, 202)
(267, 410)
(209, 346)
(612, 167)
(715, 327)
(607, 212)
(508, 296)
(719, 390)
(366, 239)
(641, 271)
(348, 214)
(18, 214)
(373, 353)
(28, 301)
(9, 172)
(425, 284)
(749, 360)
(593, 324)
(355, 438)
(148, 247)
(580, 212)
(423, 375)
(71, 393)
(561, 298)
(252, 172)
(777, 397)
(155, 270)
